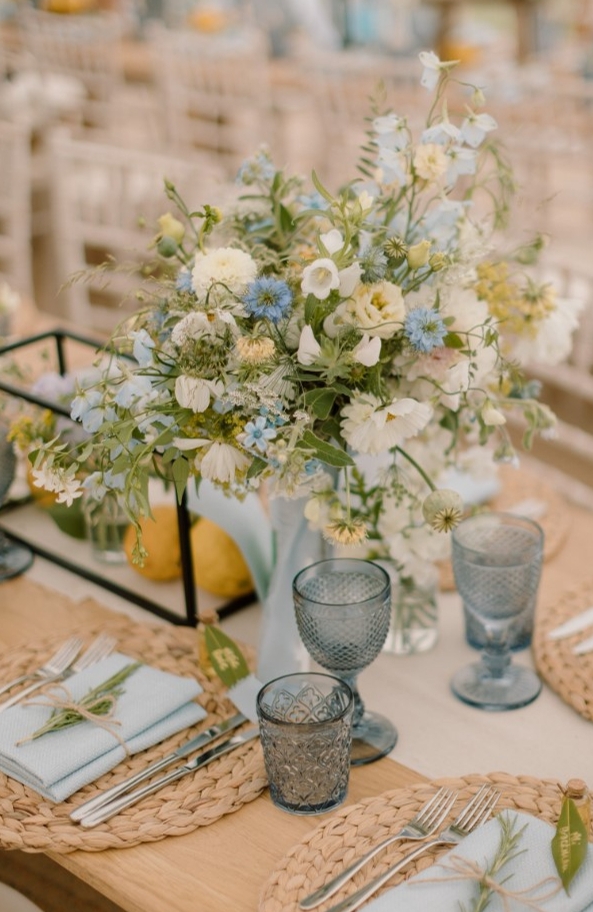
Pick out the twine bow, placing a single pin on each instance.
(466, 869)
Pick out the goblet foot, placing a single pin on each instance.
(14, 558)
(517, 687)
(373, 737)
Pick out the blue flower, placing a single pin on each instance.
(184, 282)
(313, 201)
(268, 298)
(424, 329)
(255, 169)
(257, 434)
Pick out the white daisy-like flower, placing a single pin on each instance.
(369, 426)
(228, 266)
(195, 393)
(193, 326)
(222, 461)
(552, 342)
(62, 482)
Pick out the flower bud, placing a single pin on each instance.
(443, 510)
(167, 246)
(418, 254)
(171, 227)
(437, 261)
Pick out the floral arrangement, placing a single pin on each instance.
(351, 347)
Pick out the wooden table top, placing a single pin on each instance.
(224, 865)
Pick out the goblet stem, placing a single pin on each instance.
(496, 658)
(350, 680)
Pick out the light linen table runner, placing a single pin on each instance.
(154, 705)
(429, 891)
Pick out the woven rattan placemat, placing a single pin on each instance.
(571, 676)
(519, 486)
(33, 824)
(351, 831)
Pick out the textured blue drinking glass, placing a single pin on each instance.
(497, 562)
(343, 610)
(305, 722)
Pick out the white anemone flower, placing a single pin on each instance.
(370, 427)
(195, 393)
(320, 278)
(309, 348)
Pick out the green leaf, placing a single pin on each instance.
(286, 219)
(569, 845)
(325, 451)
(310, 309)
(227, 659)
(256, 467)
(180, 475)
(452, 340)
(320, 401)
(321, 189)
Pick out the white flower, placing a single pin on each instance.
(195, 393)
(475, 127)
(433, 68)
(391, 132)
(369, 426)
(320, 278)
(62, 482)
(378, 309)
(332, 240)
(222, 461)
(491, 416)
(349, 279)
(368, 351)
(552, 342)
(393, 166)
(225, 265)
(309, 348)
(193, 326)
(430, 162)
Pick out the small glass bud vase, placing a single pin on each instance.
(106, 523)
(414, 616)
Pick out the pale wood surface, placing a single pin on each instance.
(221, 866)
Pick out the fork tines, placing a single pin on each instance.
(480, 806)
(432, 812)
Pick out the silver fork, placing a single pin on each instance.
(99, 649)
(56, 663)
(472, 815)
(424, 824)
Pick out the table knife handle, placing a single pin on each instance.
(106, 811)
(83, 810)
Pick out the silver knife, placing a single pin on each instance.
(573, 625)
(201, 740)
(118, 804)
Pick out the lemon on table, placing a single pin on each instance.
(219, 566)
(160, 537)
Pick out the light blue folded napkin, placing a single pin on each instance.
(154, 705)
(427, 891)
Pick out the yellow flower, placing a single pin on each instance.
(418, 254)
(255, 351)
(171, 227)
(345, 531)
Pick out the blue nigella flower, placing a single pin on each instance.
(258, 433)
(268, 298)
(424, 329)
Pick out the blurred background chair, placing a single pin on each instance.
(105, 202)
(215, 92)
(15, 208)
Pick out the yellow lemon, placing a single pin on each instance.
(160, 537)
(219, 566)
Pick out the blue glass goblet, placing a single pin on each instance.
(497, 562)
(343, 609)
(15, 558)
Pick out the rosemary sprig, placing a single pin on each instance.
(99, 701)
(507, 849)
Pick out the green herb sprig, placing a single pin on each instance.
(99, 701)
(507, 849)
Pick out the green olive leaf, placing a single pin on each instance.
(569, 845)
